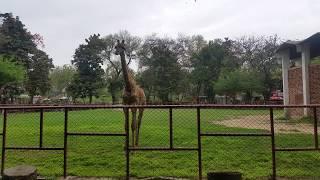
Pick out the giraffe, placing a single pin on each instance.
(133, 94)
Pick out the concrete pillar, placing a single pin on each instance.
(305, 60)
(285, 58)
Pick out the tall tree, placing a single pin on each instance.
(187, 46)
(38, 81)
(258, 53)
(88, 62)
(158, 57)
(19, 41)
(207, 65)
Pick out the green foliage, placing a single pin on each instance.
(161, 62)
(315, 60)
(239, 81)
(38, 75)
(11, 77)
(207, 65)
(3, 40)
(19, 42)
(16, 41)
(258, 54)
(114, 80)
(60, 77)
(88, 62)
(10, 71)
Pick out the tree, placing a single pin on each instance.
(238, 81)
(113, 63)
(114, 80)
(258, 53)
(60, 77)
(11, 78)
(187, 46)
(3, 40)
(88, 62)
(38, 81)
(157, 56)
(19, 41)
(146, 81)
(207, 64)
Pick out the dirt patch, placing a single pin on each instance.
(263, 122)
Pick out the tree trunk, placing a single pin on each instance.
(113, 97)
(11, 99)
(31, 99)
(90, 99)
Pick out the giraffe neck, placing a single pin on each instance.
(128, 86)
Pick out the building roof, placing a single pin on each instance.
(313, 40)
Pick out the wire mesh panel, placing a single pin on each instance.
(23, 128)
(294, 131)
(231, 141)
(249, 155)
(164, 164)
(299, 165)
(96, 156)
(185, 128)
(49, 164)
(88, 120)
(235, 120)
(154, 131)
(91, 149)
(53, 128)
(24, 142)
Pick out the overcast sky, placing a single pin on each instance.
(65, 24)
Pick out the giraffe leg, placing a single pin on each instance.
(134, 125)
(139, 124)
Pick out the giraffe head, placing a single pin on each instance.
(120, 47)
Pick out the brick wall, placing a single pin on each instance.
(295, 88)
(314, 78)
(295, 91)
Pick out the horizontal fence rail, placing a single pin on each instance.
(198, 148)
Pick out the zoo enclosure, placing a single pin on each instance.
(126, 134)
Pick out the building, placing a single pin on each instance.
(301, 78)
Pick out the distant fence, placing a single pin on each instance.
(263, 120)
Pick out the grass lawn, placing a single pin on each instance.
(104, 156)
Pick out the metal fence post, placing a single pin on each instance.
(315, 117)
(274, 172)
(199, 143)
(65, 146)
(127, 143)
(170, 128)
(4, 130)
(41, 128)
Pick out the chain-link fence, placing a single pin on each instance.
(185, 141)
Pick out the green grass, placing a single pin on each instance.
(104, 156)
